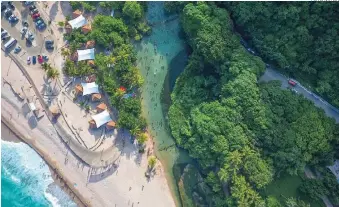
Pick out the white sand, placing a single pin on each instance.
(106, 187)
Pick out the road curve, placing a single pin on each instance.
(273, 74)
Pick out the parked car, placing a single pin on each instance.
(32, 7)
(45, 57)
(4, 33)
(10, 5)
(28, 3)
(36, 15)
(13, 18)
(25, 23)
(8, 13)
(5, 38)
(41, 26)
(40, 60)
(291, 82)
(49, 42)
(33, 59)
(30, 35)
(17, 49)
(28, 60)
(3, 8)
(23, 30)
(38, 22)
(49, 46)
(34, 11)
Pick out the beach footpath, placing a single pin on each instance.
(121, 184)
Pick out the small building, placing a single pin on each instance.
(89, 88)
(87, 54)
(92, 124)
(110, 125)
(74, 56)
(68, 28)
(76, 14)
(90, 44)
(101, 107)
(78, 22)
(101, 119)
(86, 28)
(91, 78)
(91, 63)
(96, 97)
(79, 89)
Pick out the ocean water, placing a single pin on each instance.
(26, 179)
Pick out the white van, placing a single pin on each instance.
(10, 43)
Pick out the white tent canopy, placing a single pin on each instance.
(78, 22)
(101, 118)
(86, 54)
(89, 88)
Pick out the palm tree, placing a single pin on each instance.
(65, 52)
(53, 73)
(223, 174)
(235, 159)
(46, 66)
(142, 138)
(135, 131)
(151, 162)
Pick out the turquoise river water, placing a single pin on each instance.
(161, 58)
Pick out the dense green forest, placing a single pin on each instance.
(300, 38)
(243, 134)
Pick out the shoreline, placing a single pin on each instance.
(58, 177)
(92, 186)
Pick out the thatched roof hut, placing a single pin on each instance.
(92, 124)
(91, 78)
(76, 13)
(96, 97)
(90, 44)
(110, 125)
(78, 89)
(68, 28)
(74, 56)
(86, 29)
(91, 63)
(101, 107)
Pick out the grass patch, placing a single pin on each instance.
(287, 186)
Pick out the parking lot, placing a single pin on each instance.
(31, 48)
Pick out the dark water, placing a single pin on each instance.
(161, 58)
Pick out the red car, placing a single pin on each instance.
(40, 60)
(292, 83)
(34, 16)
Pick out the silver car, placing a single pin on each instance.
(23, 30)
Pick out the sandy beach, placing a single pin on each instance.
(121, 185)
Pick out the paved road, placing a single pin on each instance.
(272, 74)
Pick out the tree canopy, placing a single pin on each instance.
(243, 133)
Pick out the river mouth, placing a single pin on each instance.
(161, 57)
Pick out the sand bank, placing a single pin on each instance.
(121, 185)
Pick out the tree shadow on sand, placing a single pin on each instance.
(54, 11)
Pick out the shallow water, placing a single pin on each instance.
(161, 58)
(26, 179)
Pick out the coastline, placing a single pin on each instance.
(58, 177)
(92, 186)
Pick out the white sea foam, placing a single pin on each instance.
(53, 200)
(22, 164)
